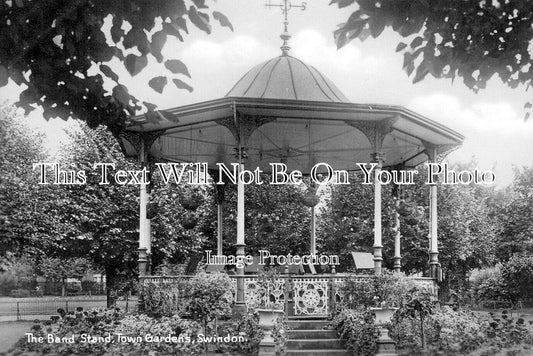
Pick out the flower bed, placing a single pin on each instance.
(180, 319)
(112, 332)
(423, 327)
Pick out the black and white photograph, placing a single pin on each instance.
(266, 177)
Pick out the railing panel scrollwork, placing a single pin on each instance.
(310, 296)
(269, 294)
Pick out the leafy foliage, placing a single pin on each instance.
(487, 284)
(391, 289)
(17, 274)
(505, 332)
(248, 326)
(28, 224)
(518, 276)
(59, 269)
(448, 332)
(346, 222)
(466, 234)
(62, 52)
(419, 306)
(513, 209)
(140, 325)
(358, 330)
(202, 297)
(208, 295)
(163, 299)
(101, 220)
(459, 332)
(449, 39)
(109, 323)
(275, 220)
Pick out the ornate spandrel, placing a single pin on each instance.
(136, 139)
(244, 125)
(375, 131)
(442, 151)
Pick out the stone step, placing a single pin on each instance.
(317, 353)
(311, 334)
(307, 324)
(314, 344)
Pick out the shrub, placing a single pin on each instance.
(506, 332)
(134, 330)
(389, 288)
(186, 331)
(167, 268)
(487, 284)
(248, 327)
(89, 286)
(357, 329)
(458, 332)
(202, 297)
(163, 299)
(208, 295)
(98, 322)
(518, 276)
(19, 274)
(20, 293)
(418, 306)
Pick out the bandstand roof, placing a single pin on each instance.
(288, 112)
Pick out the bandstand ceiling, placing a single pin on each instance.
(293, 115)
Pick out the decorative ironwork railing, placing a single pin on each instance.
(298, 295)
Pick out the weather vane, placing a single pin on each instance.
(285, 36)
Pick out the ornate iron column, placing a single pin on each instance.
(378, 247)
(142, 143)
(375, 131)
(144, 222)
(240, 303)
(397, 237)
(220, 217)
(433, 222)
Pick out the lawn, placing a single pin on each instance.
(11, 332)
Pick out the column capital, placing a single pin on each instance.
(378, 157)
(240, 152)
(141, 142)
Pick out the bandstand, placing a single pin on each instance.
(286, 111)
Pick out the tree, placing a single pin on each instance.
(345, 223)
(473, 40)
(275, 220)
(180, 230)
(61, 50)
(102, 220)
(60, 269)
(466, 233)
(517, 274)
(28, 225)
(513, 209)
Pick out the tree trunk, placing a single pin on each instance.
(63, 288)
(422, 336)
(109, 286)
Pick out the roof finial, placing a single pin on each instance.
(285, 36)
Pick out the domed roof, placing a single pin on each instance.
(286, 77)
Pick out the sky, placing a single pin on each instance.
(496, 135)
